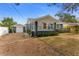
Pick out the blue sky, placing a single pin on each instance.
(27, 11)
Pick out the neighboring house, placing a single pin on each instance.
(45, 23)
(19, 28)
(71, 26)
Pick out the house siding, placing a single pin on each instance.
(49, 20)
(40, 27)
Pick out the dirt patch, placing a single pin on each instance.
(29, 48)
(17, 44)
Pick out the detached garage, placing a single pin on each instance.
(19, 28)
(3, 31)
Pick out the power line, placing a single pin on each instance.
(17, 11)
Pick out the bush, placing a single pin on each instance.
(45, 33)
(29, 31)
(24, 30)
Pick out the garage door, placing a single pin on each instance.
(19, 29)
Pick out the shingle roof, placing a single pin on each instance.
(18, 25)
(73, 24)
(43, 18)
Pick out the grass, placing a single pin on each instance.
(66, 46)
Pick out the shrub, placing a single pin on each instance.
(45, 33)
(24, 30)
(29, 31)
(10, 31)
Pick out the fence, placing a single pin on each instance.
(3, 31)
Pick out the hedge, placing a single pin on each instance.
(44, 33)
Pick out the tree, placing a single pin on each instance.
(65, 17)
(8, 22)
(0, 23)
(69, 7)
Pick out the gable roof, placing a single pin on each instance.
(46, 17)
(18, 25)
(43, 18)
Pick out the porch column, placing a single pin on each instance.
(36, 28)
(55, 26)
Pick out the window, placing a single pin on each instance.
(57, 26)
(44, 25)
(31, 26)
(61, 26)
(50, 26)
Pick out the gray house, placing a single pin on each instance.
(45, 23)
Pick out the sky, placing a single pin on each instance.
(20, 13)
